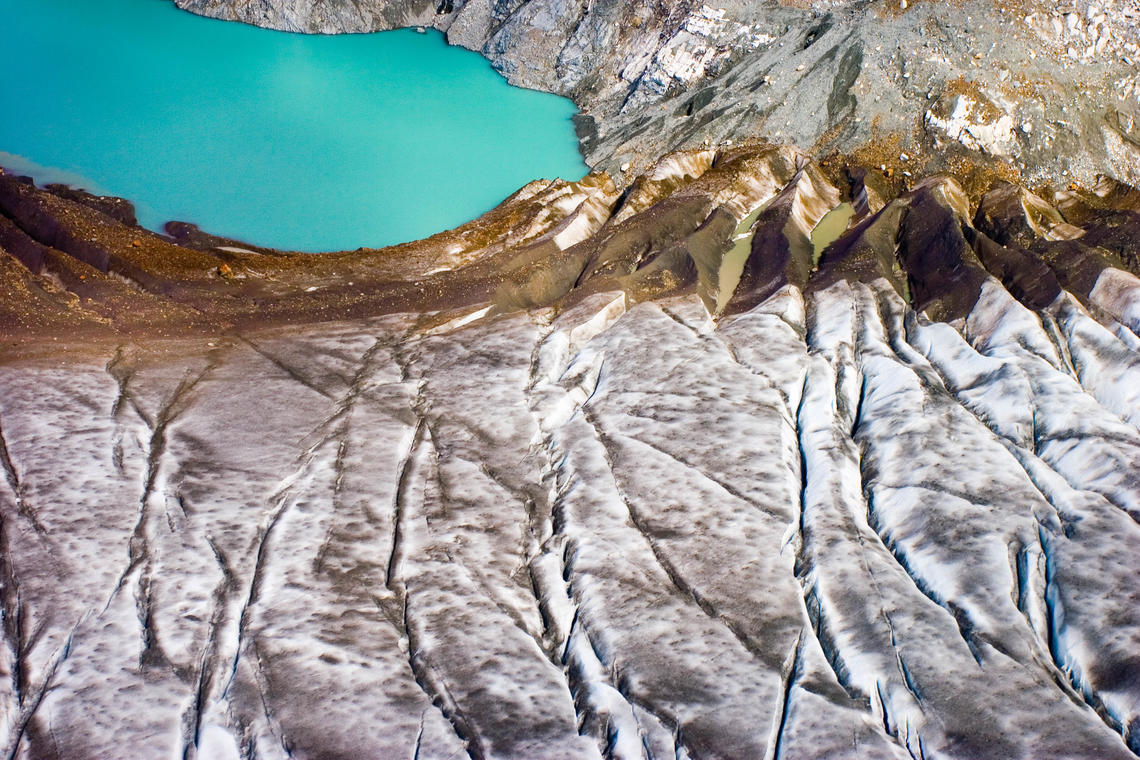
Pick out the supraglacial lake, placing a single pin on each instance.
(292, 141)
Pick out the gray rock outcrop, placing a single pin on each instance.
(1053, 94)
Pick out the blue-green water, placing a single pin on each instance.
(291, 141)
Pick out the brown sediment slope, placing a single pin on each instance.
(80, 262)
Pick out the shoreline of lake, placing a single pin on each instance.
(288, 141)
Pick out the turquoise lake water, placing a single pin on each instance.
(291, 141)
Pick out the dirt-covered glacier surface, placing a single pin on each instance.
(874, 497)
(822, 528)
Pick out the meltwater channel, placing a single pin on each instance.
(290, 141)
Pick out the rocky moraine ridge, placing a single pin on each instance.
(743, 452)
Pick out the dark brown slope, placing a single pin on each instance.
(76, 264)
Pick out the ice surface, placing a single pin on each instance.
(823, 526)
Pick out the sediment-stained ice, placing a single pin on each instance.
(884, 505)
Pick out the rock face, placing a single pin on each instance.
(324, 17)
(1053, 95)
(641, 474)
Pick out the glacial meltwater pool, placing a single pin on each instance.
(291, 141)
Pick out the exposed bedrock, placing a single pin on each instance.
(1046, 93)
(755, 458)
